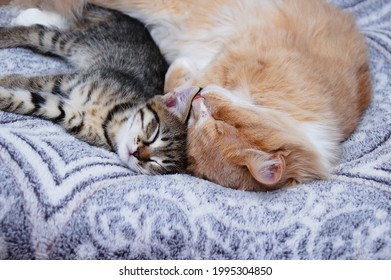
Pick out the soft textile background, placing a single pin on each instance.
(63, 199)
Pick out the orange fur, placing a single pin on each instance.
(285, 82)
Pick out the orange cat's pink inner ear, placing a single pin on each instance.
(265, 168)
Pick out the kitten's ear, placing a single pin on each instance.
(179, 101)
(266, 168)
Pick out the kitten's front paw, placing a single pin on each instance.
(35, 16)
(16, 100)
(5, 98)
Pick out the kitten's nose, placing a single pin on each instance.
(136, 154)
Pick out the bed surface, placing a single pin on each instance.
(63, 199)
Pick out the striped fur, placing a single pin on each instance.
(112, 100)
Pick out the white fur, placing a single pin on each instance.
(127, 141)
(177, 40)
(20, 95)
(35, 16)
(51, 106)
(237, 98)
(325, 141)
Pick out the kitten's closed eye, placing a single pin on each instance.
(150, 124)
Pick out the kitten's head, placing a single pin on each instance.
(153, 141)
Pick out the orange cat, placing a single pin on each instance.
(284, 82)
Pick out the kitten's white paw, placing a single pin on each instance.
(5, 97)
(35, 16)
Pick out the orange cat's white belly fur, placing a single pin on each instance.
(200, 29)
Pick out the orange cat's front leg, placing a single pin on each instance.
(181, 74)
(144, 7)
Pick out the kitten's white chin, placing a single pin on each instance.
(123, 151)
(128, 160)
(124, 139)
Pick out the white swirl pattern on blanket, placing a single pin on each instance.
(63, 199)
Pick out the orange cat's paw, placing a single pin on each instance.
(217, 96)
(179, 75)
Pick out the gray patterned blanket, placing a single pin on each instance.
(63, 199)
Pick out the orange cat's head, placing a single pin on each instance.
(245, 130)
(246, 148)
(271, 115)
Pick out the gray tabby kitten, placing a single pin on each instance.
(113, 99)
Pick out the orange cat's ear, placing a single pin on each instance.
(266, 168)
(179, 101)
